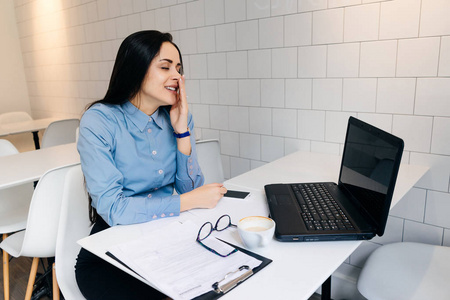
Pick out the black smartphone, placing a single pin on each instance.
(236, 194)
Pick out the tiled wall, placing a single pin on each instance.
(269, 77)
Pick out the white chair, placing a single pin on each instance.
(60, 132)
(208, 154)
(14, 205)
(39, 238)
(74, 224)
(406, 271)
(13, 117)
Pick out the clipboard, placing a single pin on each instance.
(221, 290)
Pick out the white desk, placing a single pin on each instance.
(32, 126)
(30, 166)
(298, 269)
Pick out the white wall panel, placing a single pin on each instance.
(312, 62)
(396, 95)
(399, 19)
(250, 146)
(418, 57)
(271, 32)
(297, 29)
(327, 94)
(432, 97)
(434, 18)
(298, 93)
(328, 26)
(441, 135)
(378, 59)
(343, 60)
(272, 148)
(247, 35)
(272, 92)
(359, 94)
(361, 22)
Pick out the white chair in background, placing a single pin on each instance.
(60, 132)
(406, 271)
(14, 206)
(74, 224)
(39, 238)
(77, 134)
(208, 154)
(15, 116)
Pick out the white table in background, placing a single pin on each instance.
(298, 269)
(30, 166)
(32, 126)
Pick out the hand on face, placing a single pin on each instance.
(179, 111)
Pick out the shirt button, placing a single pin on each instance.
(190, 173)
(149, 195)
(191, 167)
(171, 214)
(154, 152)
(149, 130)
(160, 171)
(156, 189)
(190, 160)
(163, 215)
(155, 216)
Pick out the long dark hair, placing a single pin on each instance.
(132, 62)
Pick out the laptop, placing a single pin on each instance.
(357, 207)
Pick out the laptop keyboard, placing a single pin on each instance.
(318, 208)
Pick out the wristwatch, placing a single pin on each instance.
(182, 135)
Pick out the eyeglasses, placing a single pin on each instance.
(205, 231)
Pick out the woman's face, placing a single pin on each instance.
(160, 85)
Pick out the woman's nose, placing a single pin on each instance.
(176, 75)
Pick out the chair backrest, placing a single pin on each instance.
(7, 148)
(14, 201)
(43, 216)
(60, 132)
(15, 116)
(74, 224)
(208, 154)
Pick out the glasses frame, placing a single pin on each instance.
(214, 228)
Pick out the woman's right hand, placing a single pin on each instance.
(206, 196)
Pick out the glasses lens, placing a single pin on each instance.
(205, 231)
(223, 222)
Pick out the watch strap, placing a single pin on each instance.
(181, 135)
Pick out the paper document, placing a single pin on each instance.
(173, 261)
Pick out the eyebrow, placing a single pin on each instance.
(169, 60)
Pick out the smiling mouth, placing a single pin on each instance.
(171, 88)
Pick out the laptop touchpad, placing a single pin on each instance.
(284, 199)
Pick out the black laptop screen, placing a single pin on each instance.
(369, 168)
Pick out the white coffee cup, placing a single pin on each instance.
(256, 231)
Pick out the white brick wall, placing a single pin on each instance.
(271, 77)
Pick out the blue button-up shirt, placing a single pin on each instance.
(132, 164)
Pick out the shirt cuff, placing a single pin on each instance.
(169, 207)
(187, 167)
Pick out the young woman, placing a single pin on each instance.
(136, 147)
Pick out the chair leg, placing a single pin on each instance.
(55, 284)
(34, 266)
(5, 271)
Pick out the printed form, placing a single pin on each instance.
(173, 261)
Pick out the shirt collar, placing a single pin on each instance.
(158, 118)
(139, 118)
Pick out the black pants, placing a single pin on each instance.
(98, 279)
